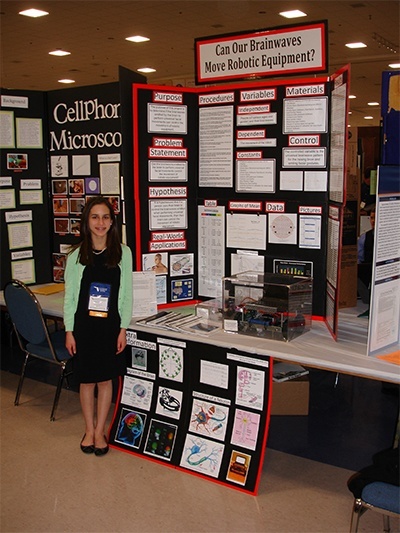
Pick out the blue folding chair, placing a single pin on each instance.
(33, 336)
(377, 496)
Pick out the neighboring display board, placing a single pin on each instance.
(384, 324)
(25, 254)
(205, 412)
(390, 118)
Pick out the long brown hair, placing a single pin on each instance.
(114, 250)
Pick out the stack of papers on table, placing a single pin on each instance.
(51, 288)
(178, 322)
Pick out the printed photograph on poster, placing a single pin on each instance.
(160, 439)
(7, 199)
(182, 289)
(7, 139)
(114, 201)
(92, 185)
(130, 428)
(282, 229)
(168, 214)
(169, 402)
(60, 206)
(81, 165)
(291, 180)
(250, 387)
(59, 187)
(168, 170)
(245, 429)
(76, 186)
(75, 226)
(209, 419)
(29, 132)
(76, 205)
(109, 178)
(157, 263)
(137, 392)
(88, 197)
(20, 235)
(17, 161)
(139, 358)
(246, 231)
(59, 261)
(202, 455)
(181, 264)
(239, 464)
(170, 363)
(24, 270)
(61, 225)
(59, 166)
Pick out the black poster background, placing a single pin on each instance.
(193, 354)
(199, 195)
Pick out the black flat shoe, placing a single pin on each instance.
(87, 449)
(101, 451)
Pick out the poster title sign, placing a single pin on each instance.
(69, 116)
(279, 51)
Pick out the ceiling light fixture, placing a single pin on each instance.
(352, 96)
(356, 45)
(295, 13)
(373, 103)
(394, 65)
(368, 117)
(137, 39)
(34, 13)
(385, 43)
(59, 53)
(66, 80)
(146, 70)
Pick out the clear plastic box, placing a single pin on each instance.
(273, 306)
(210, 310)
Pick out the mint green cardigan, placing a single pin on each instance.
(73, 276)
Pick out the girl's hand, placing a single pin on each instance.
(121, 341)
(70, 343)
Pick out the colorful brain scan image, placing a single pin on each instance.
(160, 439)
(130, 428)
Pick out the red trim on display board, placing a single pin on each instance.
(136, 191)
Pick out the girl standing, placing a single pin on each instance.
(97, 312)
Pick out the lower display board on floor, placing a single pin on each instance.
(199, 408)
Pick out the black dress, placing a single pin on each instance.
(96, 338)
